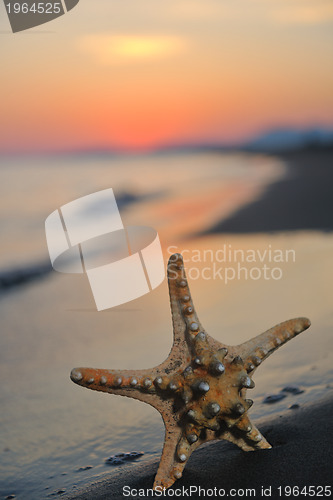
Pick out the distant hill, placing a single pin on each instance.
(277, 140)
(287, 139)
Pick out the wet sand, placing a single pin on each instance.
(302, 200)
(301, 456)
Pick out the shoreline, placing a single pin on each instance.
(299, 201)
(300, 456)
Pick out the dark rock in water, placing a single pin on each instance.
(135, 454)
(87, 467)
(9, 497)
(117, 461)
(121, 458)
(273, 398)
(294, 407)
(289, 389)
(60, 492)
(292, 389)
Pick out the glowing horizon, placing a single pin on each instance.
(125, 76)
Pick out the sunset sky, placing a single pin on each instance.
(136, 74)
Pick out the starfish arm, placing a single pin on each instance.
(259, 348)
(136, 384)
(182, 308)
(186, 324)
(246, 436)
(185, 321)
(177, 449)
(169, 469)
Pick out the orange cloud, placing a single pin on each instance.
(303, 12)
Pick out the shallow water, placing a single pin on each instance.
(51, 428)
(177, 194)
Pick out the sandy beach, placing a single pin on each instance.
(56, 436)
(300, 201)
(300, 457)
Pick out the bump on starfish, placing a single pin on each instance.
(200, 389)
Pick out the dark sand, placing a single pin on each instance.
(301, 456)
(303, 200)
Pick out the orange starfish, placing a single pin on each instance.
(200, 389)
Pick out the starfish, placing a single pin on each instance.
(200, 389)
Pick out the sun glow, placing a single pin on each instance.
(115, 49)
